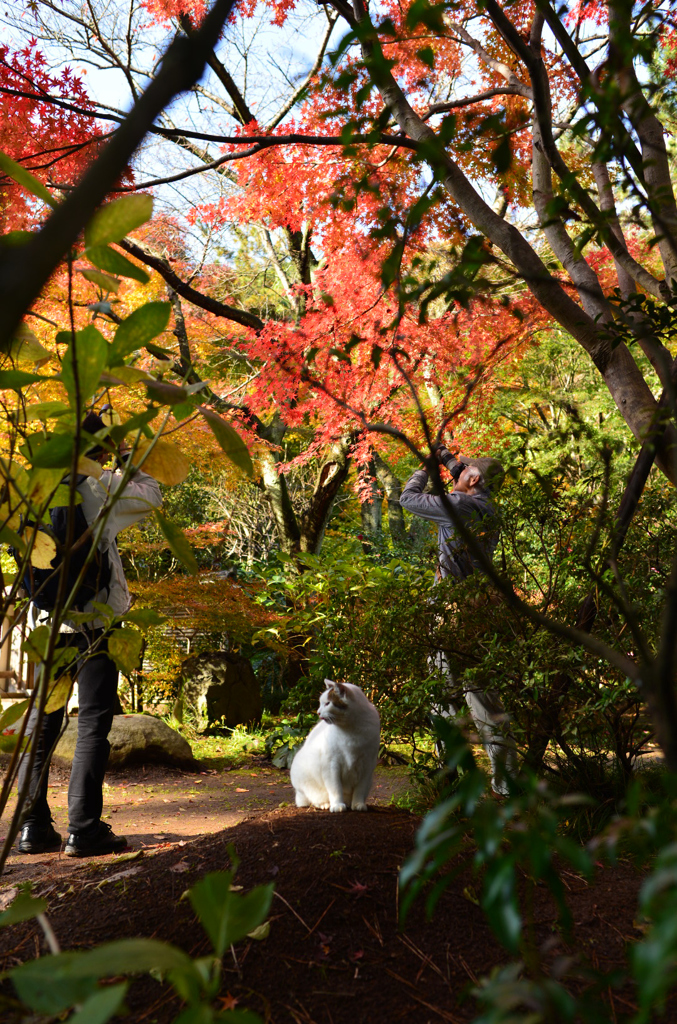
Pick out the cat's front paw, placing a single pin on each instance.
(335, 808)
(359, 807)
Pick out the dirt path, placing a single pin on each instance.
(155, 806)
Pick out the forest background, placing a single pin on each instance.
(447, 222)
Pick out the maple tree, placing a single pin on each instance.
(416, 169)
(439, 234)
(53, 143)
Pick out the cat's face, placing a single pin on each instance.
(333, 702)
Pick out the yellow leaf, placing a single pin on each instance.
(27, 350)
(59, 694)
(164, 461)
(42, 484)
(130, 375)
(15, 476)
(88, 467)
(109, 416)
(9, 518)
(44, 550)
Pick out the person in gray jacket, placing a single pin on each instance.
(471, 501)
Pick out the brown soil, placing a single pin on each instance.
(154, 805)
(334, 954)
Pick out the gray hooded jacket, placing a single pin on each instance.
(477, 511)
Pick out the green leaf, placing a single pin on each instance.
(8, 536)
(427, 55)
(133, 956)
(159, 353)
(46, 411)
(62, 495)
(101, 1006)
(16, 380)
(115, 220)
(138, 329)
(26, 349)
(42, 486)
(56, 453)
(166, 394)
(145, 617)
(114, 262)
(12, 714)
(86, 356)
(230, 441)
(134, 423)
(52, 984)
(227, 916)
(24, 907)
(48, 986)
(499, 902)
(200, 1014)
(502, 155)
(109, 284)
(178, 543)
(124, 647)
(24, 178)
(16, 238)
(182, 410)
(36, 643)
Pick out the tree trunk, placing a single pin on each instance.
(393, 489)
(276, 490)
(621, 374)
(371, 511)
(330, 479)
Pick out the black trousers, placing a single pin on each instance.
(97, 678)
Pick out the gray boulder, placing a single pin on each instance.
(220, 688)
(135, 739)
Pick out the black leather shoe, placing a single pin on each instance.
(99, 842)
(39, 839)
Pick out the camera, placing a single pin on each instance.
(449, 461)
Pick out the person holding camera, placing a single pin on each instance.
(96, 672)
(472, 504)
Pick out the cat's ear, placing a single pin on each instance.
(337, 691)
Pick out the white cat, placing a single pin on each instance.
(334, 767)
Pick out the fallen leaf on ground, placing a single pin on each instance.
(129, 856)
(7, 896)
(127, 873)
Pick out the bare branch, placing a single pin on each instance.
(186, 291)
(24, 273)
(284, 110)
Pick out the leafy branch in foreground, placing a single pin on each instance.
(88, 984)
(515, 846)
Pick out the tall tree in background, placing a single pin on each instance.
(329, 297)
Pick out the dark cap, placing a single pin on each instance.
(92, 424)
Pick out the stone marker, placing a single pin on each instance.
(221, 689)
(135, 739)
